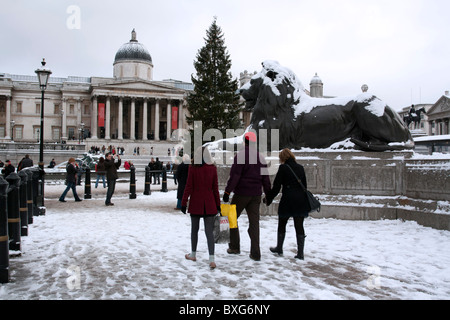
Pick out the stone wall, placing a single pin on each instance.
(372, 186)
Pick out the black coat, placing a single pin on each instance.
(72, 171)
(294, 202)
(182, 175)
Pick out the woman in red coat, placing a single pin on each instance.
(203, 193)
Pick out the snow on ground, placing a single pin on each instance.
(135, 250)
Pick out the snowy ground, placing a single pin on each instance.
(135, 250)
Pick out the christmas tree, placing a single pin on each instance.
(215, 101)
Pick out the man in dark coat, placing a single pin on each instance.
(247, 182)
(71, 179)
(181, 176)
(25, 163)
(9, 168)
(111, 175)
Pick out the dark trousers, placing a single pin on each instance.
(298, 225)
(70, 185)
(251, 205)
(110, 191)
(209, 232)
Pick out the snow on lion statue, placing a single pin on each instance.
(278, 101)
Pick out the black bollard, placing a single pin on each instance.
(40, 197)
(147, 190)
(35, 187)
(29, 195)
(4, 238)
(87, 184)
(23, 209)
(132, 182)
(164, 180)
(13, 212)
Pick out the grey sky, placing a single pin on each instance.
(400, 48)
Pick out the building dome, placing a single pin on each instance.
(133, 50)
(316, 80)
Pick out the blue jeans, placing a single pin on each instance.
(70, 185)
(98, 178)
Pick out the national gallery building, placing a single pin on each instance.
(129, 107)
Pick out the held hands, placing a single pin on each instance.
(183, 209)
(267, 202)
(226, 197)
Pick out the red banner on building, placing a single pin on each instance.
(101, 114)
(174, 118)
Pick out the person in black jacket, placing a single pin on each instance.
(293, 203)
(111, 175)
(181, 176)
(71, 179)
(9, 168)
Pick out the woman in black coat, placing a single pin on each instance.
(182, 175)
(293, 203)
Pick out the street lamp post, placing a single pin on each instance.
(43, 75)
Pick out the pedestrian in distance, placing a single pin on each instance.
(294, 202)
(111, 175)
(181, 178)
(247, 180)
(202, 191)
(71, 179)
(101, 171)
(9, 168)
(25, 163)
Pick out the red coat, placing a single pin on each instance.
(202, 189)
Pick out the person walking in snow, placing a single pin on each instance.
(204, 201)
(111, 176)
(247, 182)
(71, 179)
(293, 203)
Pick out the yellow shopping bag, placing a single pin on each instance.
(229, 210)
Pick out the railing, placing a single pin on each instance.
(35, 146)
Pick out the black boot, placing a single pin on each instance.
(300, 246)
(280, 240)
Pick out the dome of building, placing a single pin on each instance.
(316, 80)
(133, 50)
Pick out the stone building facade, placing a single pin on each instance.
(127, 107)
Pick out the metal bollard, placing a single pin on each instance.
(29, 195)
(4, 238)
(35, 187)
(164, 181)
(40, 197)
(132, 182)
(87, 184)
(147, 190)
(13, 212)
(23, 209)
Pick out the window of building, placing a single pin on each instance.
(38, 108)
(72, 109)
(2, 131)
(18, 132)
(56, 133)
(19, 107)
(55, 109)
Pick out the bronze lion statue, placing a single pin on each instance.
(279, 101)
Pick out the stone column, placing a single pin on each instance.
(133, 119)
(8, 118)
(64, 119)
(94, 118)
(108, 118)
(120, 119)
(144, 120)
(157, 120)
(180, 115)
(169, 121)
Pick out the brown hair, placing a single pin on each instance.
(285, 154)
(71, 160)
